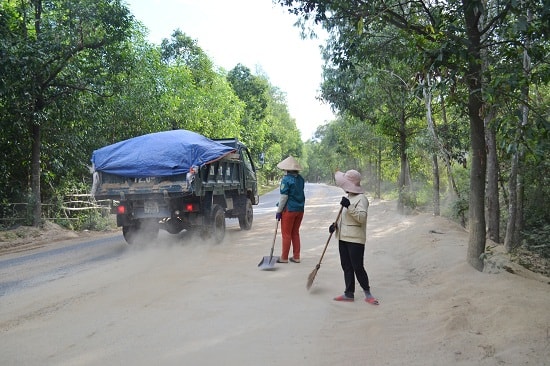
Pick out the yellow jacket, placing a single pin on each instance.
(353, 221)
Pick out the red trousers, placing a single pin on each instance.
(290, 229)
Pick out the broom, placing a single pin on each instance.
(313, 273)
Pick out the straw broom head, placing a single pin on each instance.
(311, 276)
(313, 273)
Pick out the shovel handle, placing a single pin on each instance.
(274, 237)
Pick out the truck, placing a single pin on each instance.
(176, 180)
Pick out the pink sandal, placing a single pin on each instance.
(372, 300)
(343, 298)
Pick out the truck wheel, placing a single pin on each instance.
(217, 223)
(130, 234)
(141, 232)
(172, 225)
(246, 218)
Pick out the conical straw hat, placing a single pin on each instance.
(289, 164)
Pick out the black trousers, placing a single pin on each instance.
(351, 259)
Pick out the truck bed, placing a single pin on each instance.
(219, 176)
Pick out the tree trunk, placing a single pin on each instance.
(520, 192)
(515, 210)
(35, 175)
(379, 170)
(447, 156)
(435, 168)
(426, 91)
(493, 204)
(509, 239)
(525, 120)
(476, 217)
(492, 193)
(39, 104)
(402, 185)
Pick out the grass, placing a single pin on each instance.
(263, 189)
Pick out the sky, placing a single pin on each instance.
(255, 33)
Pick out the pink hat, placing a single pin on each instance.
(349, 181)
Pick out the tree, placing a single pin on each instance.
(375, 83)
(197, 97)
(282, 137)
(449, 34)
(254, 92)
(51, 50)
(342, 144)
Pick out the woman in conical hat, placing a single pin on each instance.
(290, 164)
(290, 209)
(351, 232)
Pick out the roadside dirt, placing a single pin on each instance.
(26, 238)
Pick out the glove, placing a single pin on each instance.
(345, 202)
(278, 216)
(332, 227)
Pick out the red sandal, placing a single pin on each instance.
(372, 300)
(344, 298)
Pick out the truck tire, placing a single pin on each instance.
(216, 224)
(141, 232)
(246, 218)
(130, 234)
(172, 225)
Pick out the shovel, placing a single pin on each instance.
(268, 262)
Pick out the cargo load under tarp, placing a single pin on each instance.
(158, 154)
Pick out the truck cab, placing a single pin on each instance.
(250, 179)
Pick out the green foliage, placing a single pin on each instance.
(254, 92)
(453, 206)
(95, 220)
(266, 125)
(84, 77)
(409, 198)
(536, 175)
(196, 97)
(51, 52)
(459, 208)
(538, 240)
(482, 57)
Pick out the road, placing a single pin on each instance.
(183, 301)
(61, 259)
(103, 301)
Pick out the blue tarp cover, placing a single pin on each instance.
(158, 154)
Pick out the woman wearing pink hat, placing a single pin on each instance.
(351, 231)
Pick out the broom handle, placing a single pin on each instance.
(330, 236)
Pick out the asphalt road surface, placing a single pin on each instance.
(69, 257)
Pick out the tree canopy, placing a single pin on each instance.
(438, 103)
(460, 47)
(78, 75)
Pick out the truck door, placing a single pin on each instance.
(250, 175)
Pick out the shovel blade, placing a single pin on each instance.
(268, 263)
